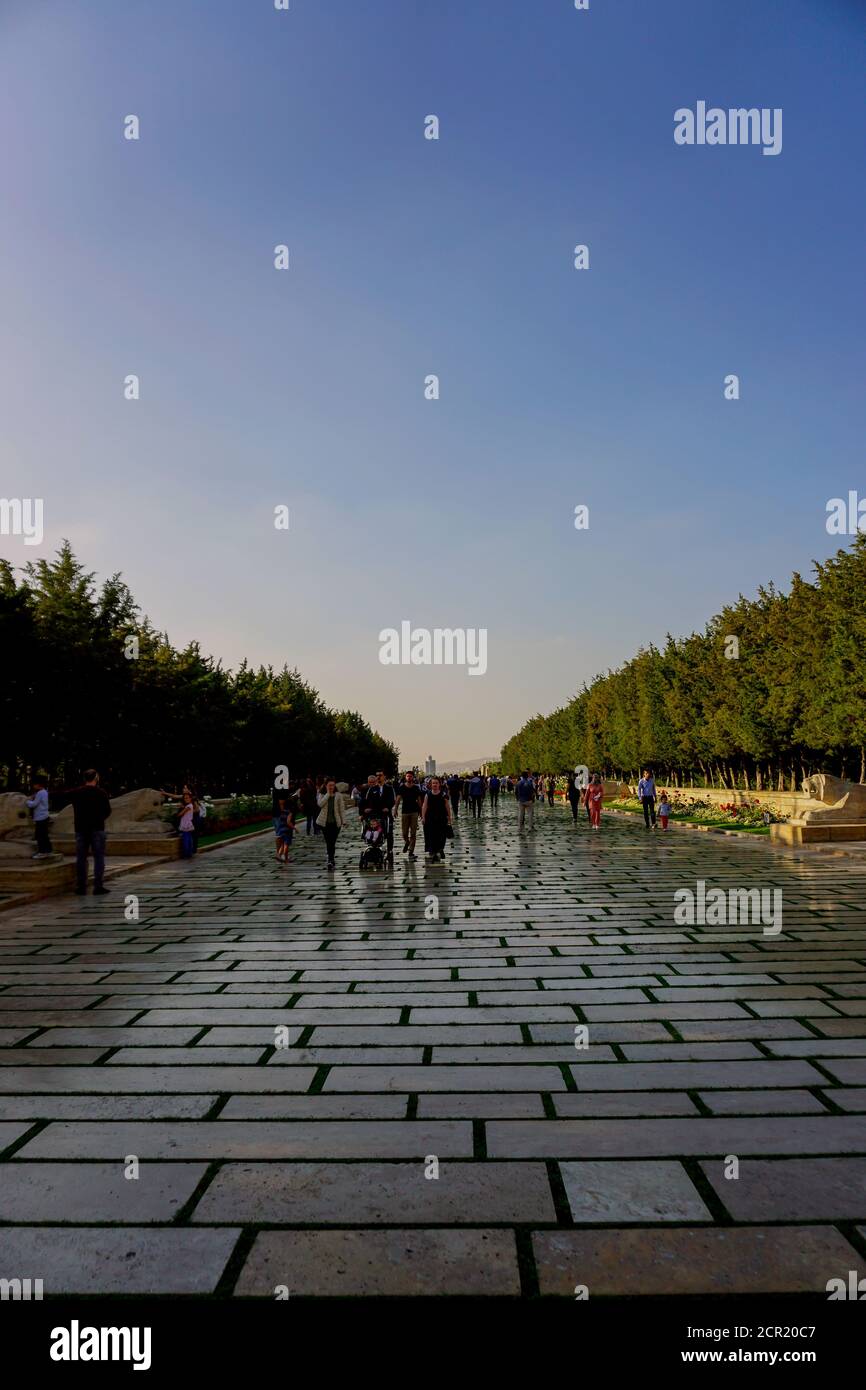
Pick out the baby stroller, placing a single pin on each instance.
(373, 854)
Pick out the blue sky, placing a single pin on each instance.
(411, 257)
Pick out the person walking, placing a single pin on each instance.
(664, 810)
(368, 804)
(333, 811)
(199, 816)
(384, 807)
(436, 819)
(572, 796)
(408, 802)
(279, 807)
(454, 784)
(38, 806)
(186, 826)
(309, 804)
(594, 798)
(476, 794)
(551, 790)
(493, 788)
(286, 833)
(91, 809)
(646, 791)
(525, 794)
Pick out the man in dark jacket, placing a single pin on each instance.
(92, 809)
(525, 793)
(384, 801)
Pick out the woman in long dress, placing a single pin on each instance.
(594, 798)
(435, 817)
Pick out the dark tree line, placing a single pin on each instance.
(71, 697)
(784, 699)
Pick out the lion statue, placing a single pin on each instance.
(832, 799)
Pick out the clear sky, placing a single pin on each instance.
(410, 257)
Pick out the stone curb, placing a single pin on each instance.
(25, 899)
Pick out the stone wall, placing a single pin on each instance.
(789, 803)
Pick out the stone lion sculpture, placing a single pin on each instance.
(832, 800)
(134, 813)
(15, 826)
(13, 813)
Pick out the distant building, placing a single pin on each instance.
(430, 766)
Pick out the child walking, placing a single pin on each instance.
(285, 833)
(38, 806)
(664, 810)
(594, 797)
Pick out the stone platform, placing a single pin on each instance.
(40, 876)
(26, 886)
(135, 846)
(793, 834)
(426, 1124)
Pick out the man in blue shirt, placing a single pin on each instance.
(525, 793)
(646, 790)
(476, 793)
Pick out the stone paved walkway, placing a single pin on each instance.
(445, 1046)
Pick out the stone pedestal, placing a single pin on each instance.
(41, 876)
(137, 827)
(800, 833)
(834, 810)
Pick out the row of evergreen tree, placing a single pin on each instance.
(89, 682)
(773, 690)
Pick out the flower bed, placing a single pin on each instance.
(237, 812)
(215, 825)
(748, 815)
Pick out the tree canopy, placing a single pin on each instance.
(786, 698)
(77, 693)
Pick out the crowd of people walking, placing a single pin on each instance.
(385, 808)
(382, 807)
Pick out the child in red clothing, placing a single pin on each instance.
(594, 797)
(664, 810)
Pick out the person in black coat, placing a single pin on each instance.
(436, 817)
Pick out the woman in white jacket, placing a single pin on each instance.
(333, 813)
